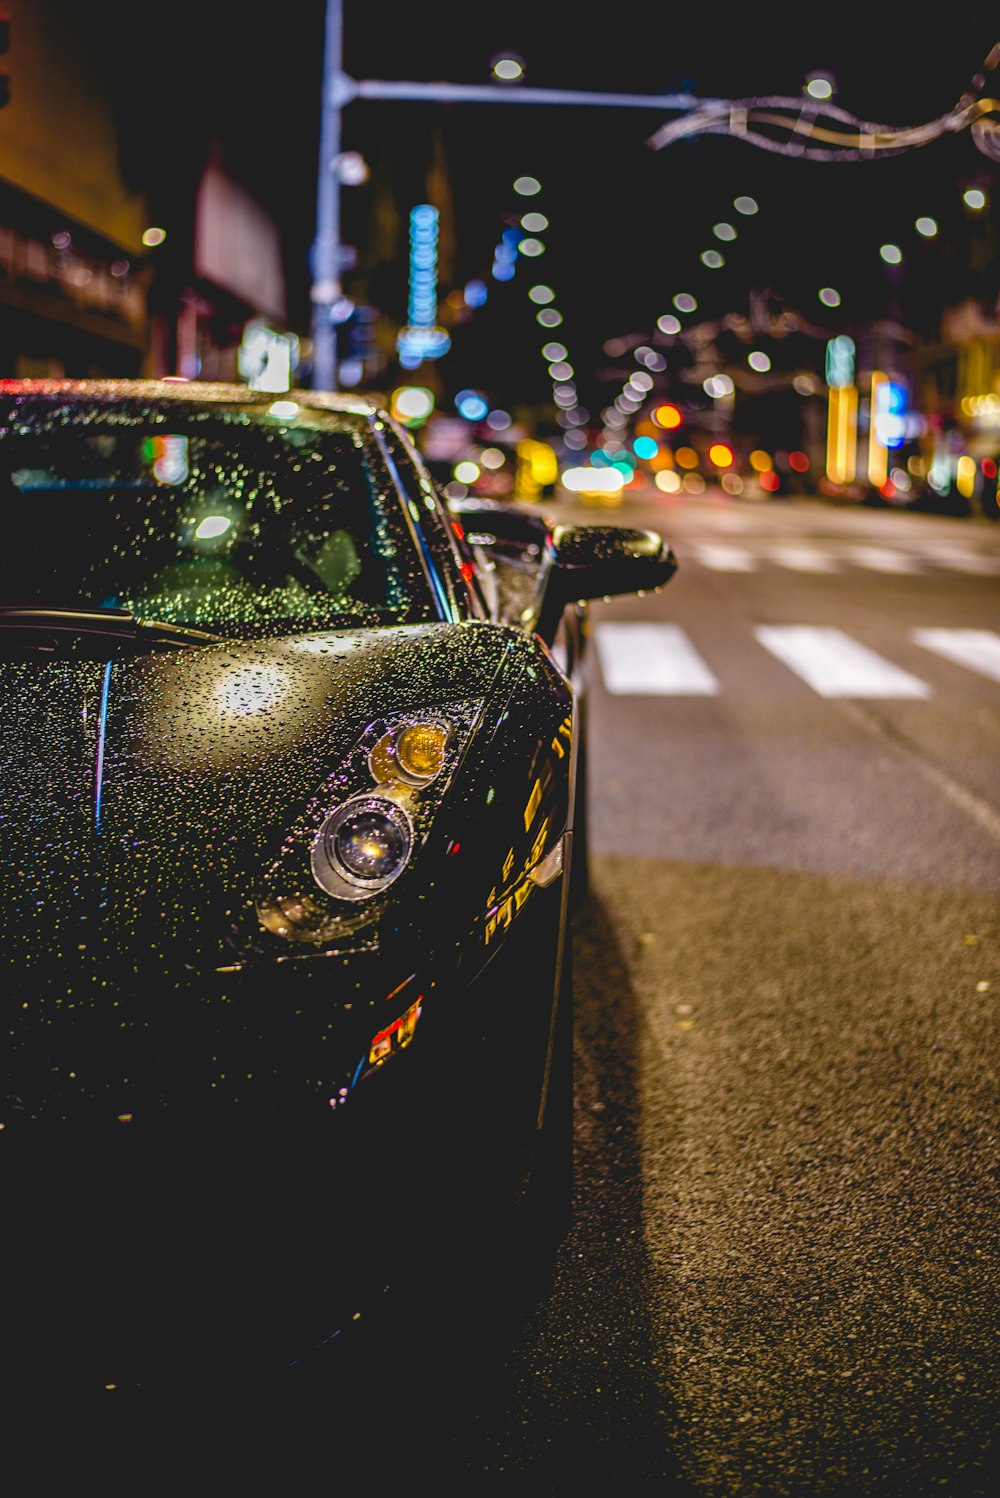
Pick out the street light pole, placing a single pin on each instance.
(326, 246)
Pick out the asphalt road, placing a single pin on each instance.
(783, 1272)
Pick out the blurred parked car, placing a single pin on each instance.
(292, 774)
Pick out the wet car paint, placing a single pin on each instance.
(229, 1098)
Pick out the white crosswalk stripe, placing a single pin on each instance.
(960, 559)
(660, 660)
(882, 559)
(722, 557)
(802, 559)
(834, 665)
(651, 660)
(979, 649)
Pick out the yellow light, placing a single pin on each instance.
(420, 749)
(721, 454)
(841, 435)
(965, 476)
(540, 459)
(878, 455)
(760, 460)
(686, 457)
(668, 416)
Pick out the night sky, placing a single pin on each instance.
(627, 223)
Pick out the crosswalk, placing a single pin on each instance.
(646, 659)
(719, 556)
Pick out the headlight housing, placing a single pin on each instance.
(365, 825)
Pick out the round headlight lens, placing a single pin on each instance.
(362, 847)
(368, 844)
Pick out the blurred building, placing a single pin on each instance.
(90, 283)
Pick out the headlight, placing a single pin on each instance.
(365, 825)
(362, 847)
(412, 752)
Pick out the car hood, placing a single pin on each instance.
(143, 798)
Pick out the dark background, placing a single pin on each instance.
(627, 222)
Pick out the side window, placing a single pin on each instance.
(445, 536)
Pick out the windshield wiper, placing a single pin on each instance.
(116, 624)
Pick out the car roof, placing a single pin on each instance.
(209, 392)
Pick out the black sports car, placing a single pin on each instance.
(291, 784)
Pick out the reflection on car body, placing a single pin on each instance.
(291, 781)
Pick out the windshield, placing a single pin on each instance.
(225, 520)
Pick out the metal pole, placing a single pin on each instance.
(326, 246)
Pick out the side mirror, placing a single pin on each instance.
(600, 561)
(608, 559)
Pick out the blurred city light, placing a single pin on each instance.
(507, 67)
(668, 416)
(472, 405)
(585, 480)
(527, 186)
(820, 86)
(352, 168)
(411, 404)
